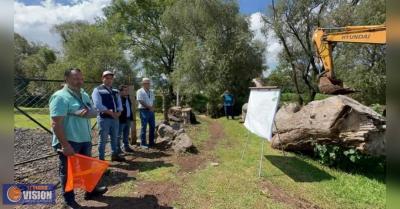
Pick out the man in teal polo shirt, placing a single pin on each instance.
(70, 113)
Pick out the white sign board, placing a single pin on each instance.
(261, 110)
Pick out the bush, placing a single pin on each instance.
(379, 108)
(347, 159)
(199, 103)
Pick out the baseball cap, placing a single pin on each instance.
(107, 72)
(145, 80)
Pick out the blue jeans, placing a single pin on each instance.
(84, 148)
(123, 134)
(147, 117)
(107, 127)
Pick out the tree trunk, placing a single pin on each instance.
(337, 120)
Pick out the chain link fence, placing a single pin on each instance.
(31, 106)
(35, 160)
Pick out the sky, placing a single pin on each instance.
(34, 19)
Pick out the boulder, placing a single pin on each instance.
(177, 140)
(182, 143)
(166, 131)
(337, 120)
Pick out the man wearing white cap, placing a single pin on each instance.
(145, 99)
(108, 102)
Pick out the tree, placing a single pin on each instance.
(217, 51)
(293, 22)
(93, 49)
(31, 60)
(361, 66)
(142, 30)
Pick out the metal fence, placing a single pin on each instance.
(32, 100)
(31, 109)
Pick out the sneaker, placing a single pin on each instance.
(117, 158)
(144, 146)
(72, 205)
(128, 149)
(98, 191)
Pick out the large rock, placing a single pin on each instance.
(177, 140)
(336, 120)
(166, 131)
(182, 143)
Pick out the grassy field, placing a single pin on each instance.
(235, 183)
(287, 180)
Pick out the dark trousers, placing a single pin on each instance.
(228, 111)
(123, 134)
(147, 117)
(84, 148)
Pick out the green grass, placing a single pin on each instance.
(158, 174)
(235, 183)
(231, 184)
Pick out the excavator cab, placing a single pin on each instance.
(325, 38)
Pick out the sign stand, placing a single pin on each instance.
(261, 157)
(246, 143)
(267, 105)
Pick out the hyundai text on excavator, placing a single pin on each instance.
(324, 40)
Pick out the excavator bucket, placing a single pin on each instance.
(333, 86)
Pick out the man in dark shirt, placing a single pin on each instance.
(229, 101)
(125, 119)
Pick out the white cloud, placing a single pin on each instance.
(273, 47)
(35, 22)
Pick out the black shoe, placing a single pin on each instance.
(117, 158)
(98, 191)
(128, 149)
(71, 205)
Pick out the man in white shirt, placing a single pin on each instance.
(145, 100)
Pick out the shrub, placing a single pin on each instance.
(347, 159)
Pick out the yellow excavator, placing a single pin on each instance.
(324, 40)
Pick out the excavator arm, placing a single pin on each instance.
(325, 38)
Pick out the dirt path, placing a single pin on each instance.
(276, 193)
(155, 194)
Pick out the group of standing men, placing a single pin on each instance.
(71, 109)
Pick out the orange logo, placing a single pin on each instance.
(14, 194)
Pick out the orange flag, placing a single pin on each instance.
(84, 172)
